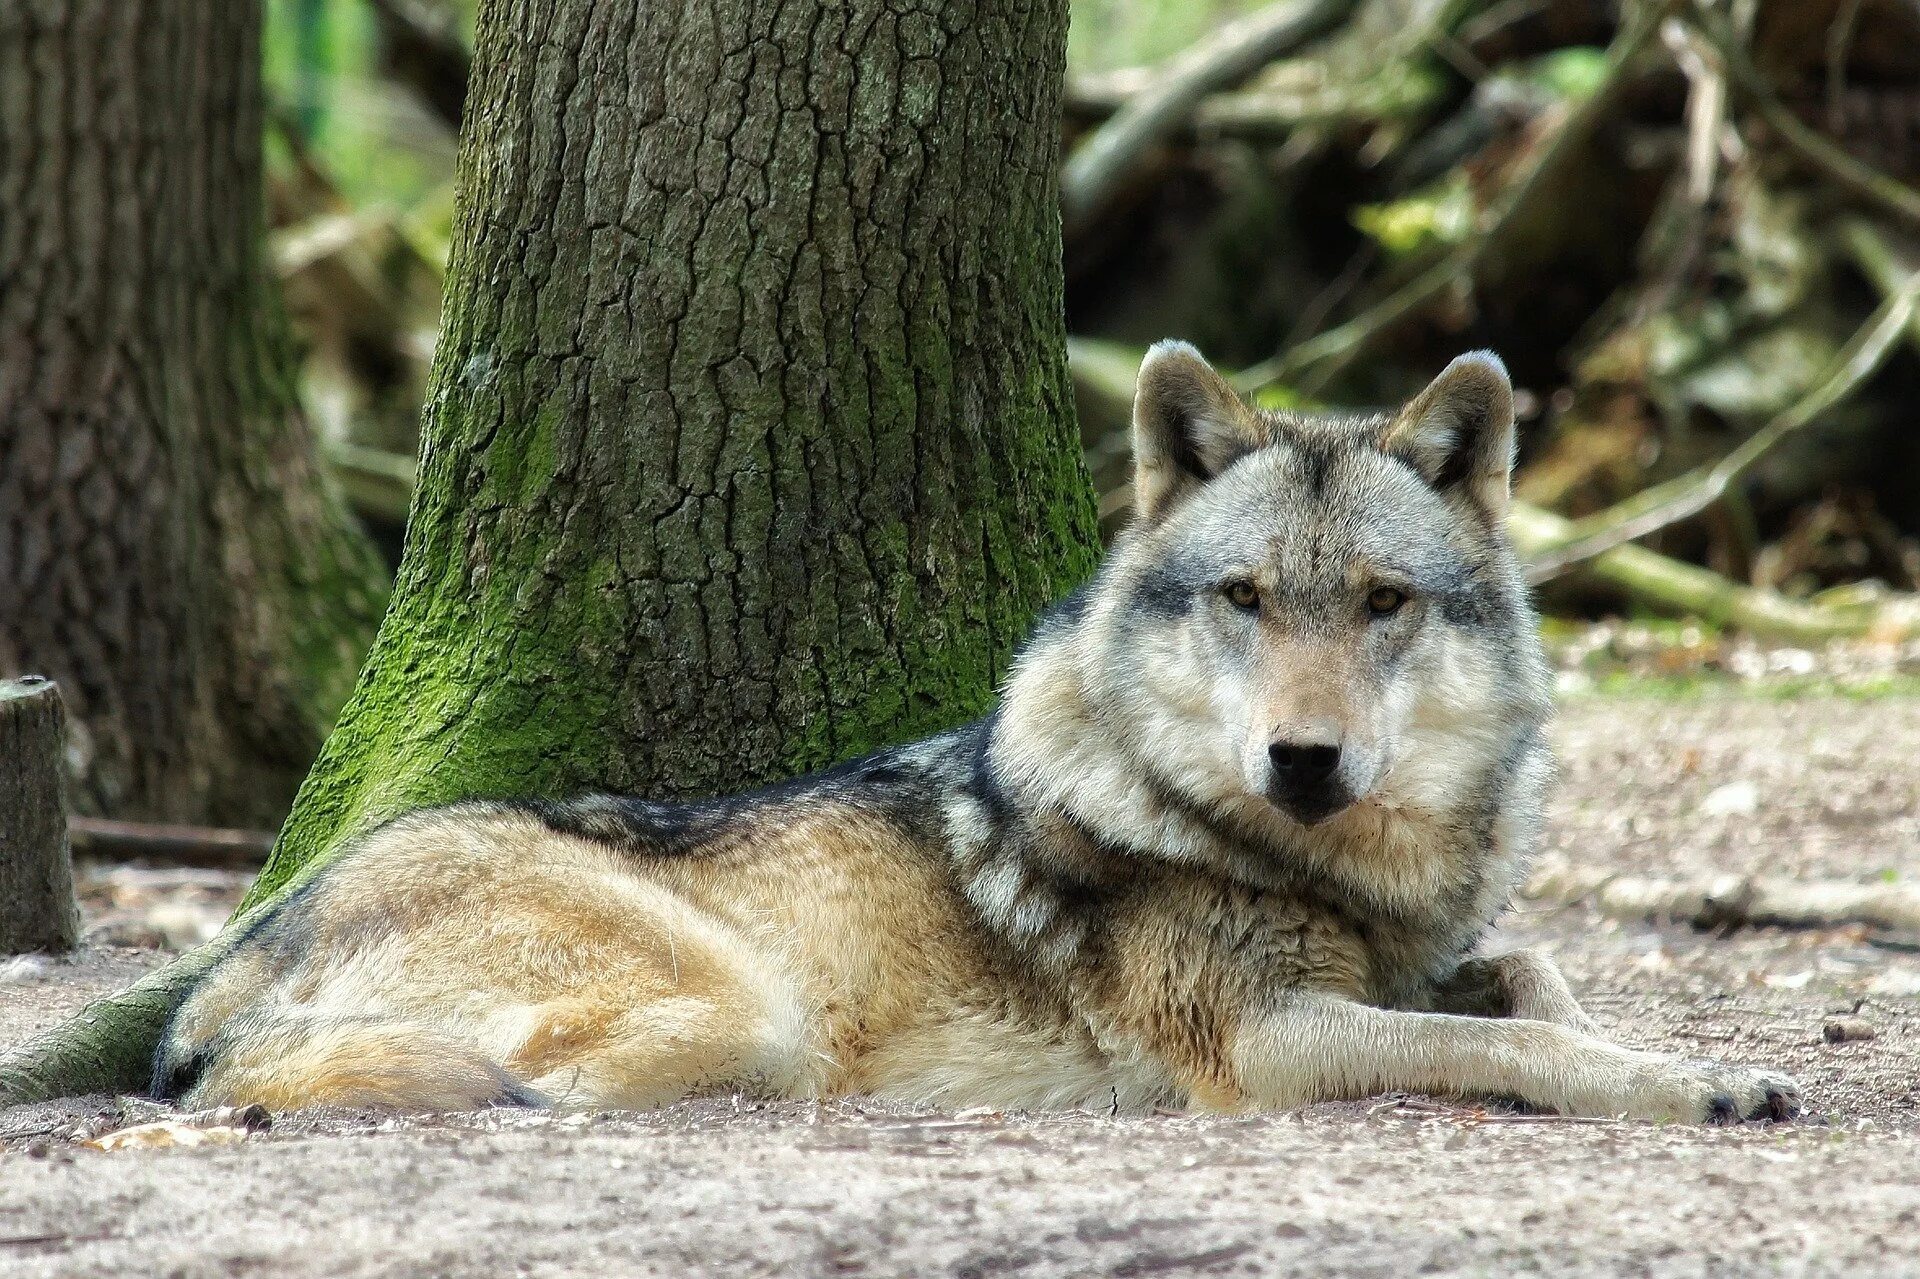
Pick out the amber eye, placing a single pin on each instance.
(1385, 601)
(1243, 594)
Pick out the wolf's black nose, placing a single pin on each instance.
(1303, 764)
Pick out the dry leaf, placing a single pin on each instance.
(168, 1134)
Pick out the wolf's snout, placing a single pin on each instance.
(1304, 763)
(1306, 775)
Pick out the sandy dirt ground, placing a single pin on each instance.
(1392, 1187)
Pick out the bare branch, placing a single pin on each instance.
(1687, 495)
(1326, 356)
(1807, 143)
(1102, 163)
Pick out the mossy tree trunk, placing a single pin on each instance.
(168, 550)
(749, 445)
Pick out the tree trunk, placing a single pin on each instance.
(168, 551)
(749, 445)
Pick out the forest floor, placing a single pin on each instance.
(1811, 785)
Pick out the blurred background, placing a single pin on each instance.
(1694, 244)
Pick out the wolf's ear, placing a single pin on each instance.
(1458, 432)
(1188, 426)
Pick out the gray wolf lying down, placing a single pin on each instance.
(1246, 807)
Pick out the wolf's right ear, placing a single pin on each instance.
(1188, 426)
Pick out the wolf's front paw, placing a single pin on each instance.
(1711, 1092)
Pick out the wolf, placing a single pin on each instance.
(1230, 841)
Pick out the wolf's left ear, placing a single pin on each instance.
(1458, 433)
(1188, 426)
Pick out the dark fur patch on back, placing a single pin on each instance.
(883, 784)
(982, 784)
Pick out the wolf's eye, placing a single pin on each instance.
(1243, 594)
(1385, 601)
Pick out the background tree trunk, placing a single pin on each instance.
(168, 551)
(749, 445)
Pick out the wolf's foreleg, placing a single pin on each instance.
(1321, 1048)
(1523, 983)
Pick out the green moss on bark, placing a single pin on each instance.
(750, 445)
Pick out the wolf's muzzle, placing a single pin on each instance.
(1306, 779)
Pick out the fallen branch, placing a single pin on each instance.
(1728, 901)
(206, 846)
(1887, 270)
(1684, 496)
(1257, 115)
(378, 484)
(1331, 352)
(1109, 156)
(1671, 586)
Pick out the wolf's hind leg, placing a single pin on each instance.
(746, 1029)
(1321, 1048)
(668, 1049)
(1522, 983)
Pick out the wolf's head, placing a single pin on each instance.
(1310, 614)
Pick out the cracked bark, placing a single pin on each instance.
(168, 551)
(749, 445)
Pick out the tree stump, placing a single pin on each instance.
(37, 910)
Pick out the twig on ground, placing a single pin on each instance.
(1102, 163)
(1473, 1116)
(1728, 901)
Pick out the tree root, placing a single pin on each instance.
(108, 1046)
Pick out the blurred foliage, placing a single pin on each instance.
(1109, 34)
(326, 76)
(1646, 235)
